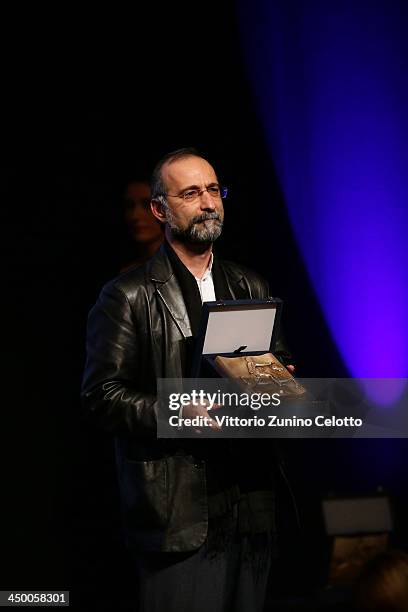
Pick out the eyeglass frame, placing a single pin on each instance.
(223, 192)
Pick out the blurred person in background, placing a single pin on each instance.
(144, 231)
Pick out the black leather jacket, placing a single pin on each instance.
(137, 333)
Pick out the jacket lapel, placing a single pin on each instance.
(236, 282)
(169, 292)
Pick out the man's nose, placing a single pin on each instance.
(207, 202)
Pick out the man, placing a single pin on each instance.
(199, 515)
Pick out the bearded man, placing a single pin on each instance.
(198, 515)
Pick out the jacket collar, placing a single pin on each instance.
(236, 281)
(159, 267)
(162, 276)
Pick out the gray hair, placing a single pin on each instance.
(157, 186)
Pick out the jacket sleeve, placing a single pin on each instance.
(111, 394)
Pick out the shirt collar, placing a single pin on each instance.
(208, 271)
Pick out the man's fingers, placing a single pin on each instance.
(214, 425)
(215, 407)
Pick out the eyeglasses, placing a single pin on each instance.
(190, 195)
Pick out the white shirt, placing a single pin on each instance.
(206, 284)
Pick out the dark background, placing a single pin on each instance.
(87, 102)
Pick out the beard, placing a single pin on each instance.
(201, 229)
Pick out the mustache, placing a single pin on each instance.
(206, 217)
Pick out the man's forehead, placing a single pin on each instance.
(189, 170)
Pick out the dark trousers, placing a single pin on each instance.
(231, 580)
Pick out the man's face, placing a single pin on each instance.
(200, 220)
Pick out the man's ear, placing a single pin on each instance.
(158, 211)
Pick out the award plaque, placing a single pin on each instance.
(237, 341)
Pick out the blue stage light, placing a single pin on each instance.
(331, 88)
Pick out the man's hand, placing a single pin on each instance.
(201, 410)
(291, 368)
